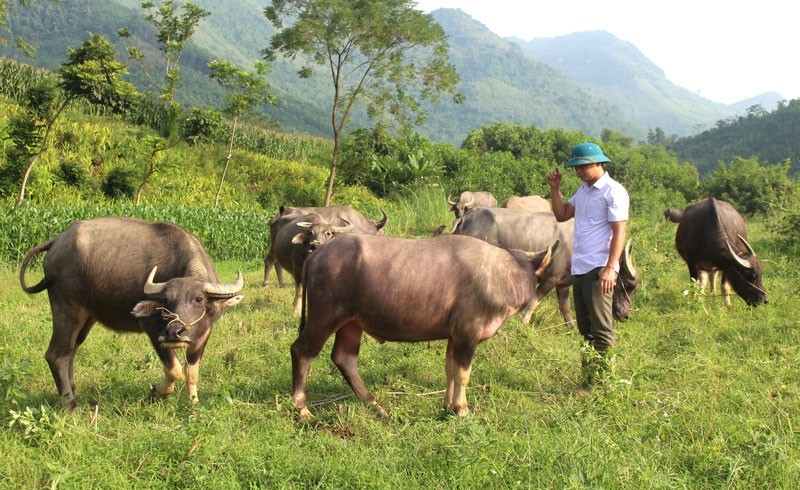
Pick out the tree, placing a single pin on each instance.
(383, 51)
(244, 90)
(174, 32)
(92, 73)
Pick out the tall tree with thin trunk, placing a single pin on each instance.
(244, 90)
(91, 72)
(382, 51)
(175, 27)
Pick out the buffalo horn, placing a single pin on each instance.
(749, 248)
(225, 290)
(304, 225)
(449, 201)
(153, 288)
(347, 228)
(380, 224)
(627, 261)
(742, 262)
(469, 203)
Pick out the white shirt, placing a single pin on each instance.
(596, 206)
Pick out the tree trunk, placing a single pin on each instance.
(334, 161)
(227, 162)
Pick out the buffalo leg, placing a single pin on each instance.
(269, 261)
(344, 355)
(562, 293)
(702, 277)
(298, 298)
(303, 351)
(725, 288)
(171, 366)
(461, 366)
(449, 372)
(192, 370)
(68, 324)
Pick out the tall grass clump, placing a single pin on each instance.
(227, 234)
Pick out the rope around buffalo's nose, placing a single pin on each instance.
(174, 317)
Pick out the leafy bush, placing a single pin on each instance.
(201, 126)
(119, 183)
(73, 173)
(749, 186)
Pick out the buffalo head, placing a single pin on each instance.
(744, 274)
(186, 307)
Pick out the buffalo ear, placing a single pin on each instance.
(300, 238)
(145, 308)
(229, 301)
(541, 260)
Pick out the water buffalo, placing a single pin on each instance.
(673, 215)
(404, 290)
(514, 229)
(338, 215)
(711, 237)
(297, 239)
(468, 200)
(531, 204)
(132, 276)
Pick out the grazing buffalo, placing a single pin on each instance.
(338, 215)
(132, 276)
(468, 200)
(297, 239)
(711, 237)
(514, 229)
(673, 215)
(531, 204)
(448, 287)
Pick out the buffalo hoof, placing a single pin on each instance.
(155, 395)
(381, 411)
(303, 414)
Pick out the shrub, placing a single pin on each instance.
(120, 183)
(72, 173)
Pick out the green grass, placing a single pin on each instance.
(699, 397)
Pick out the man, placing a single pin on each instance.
(600, 208)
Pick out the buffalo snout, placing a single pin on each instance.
(175, 336)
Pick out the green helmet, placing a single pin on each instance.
(587, 153)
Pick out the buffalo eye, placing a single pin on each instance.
(328, 234)
(198, 300)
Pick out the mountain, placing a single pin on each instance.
(548, 83)
(618, 72)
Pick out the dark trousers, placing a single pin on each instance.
(593, 310)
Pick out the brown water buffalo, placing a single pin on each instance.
(514, 229)
(468, 200)
(131, 276)
(531, 204)
(297, 239)
(338, 215)
(711, 237)
(673, 215)
(404, 290)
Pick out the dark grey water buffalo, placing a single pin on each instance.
(448, 287)
(468, 200)
(711, 237)
(673, 215)
(297, 239)
(132, 276)
(531, 204)
(338, 215)
(514, 229)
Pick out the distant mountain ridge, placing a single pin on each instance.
(548, 83)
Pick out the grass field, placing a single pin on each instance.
(699, 397)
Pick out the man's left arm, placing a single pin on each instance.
(608, 275)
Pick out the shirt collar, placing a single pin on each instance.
(600, 183)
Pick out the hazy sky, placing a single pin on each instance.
(725, 51)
